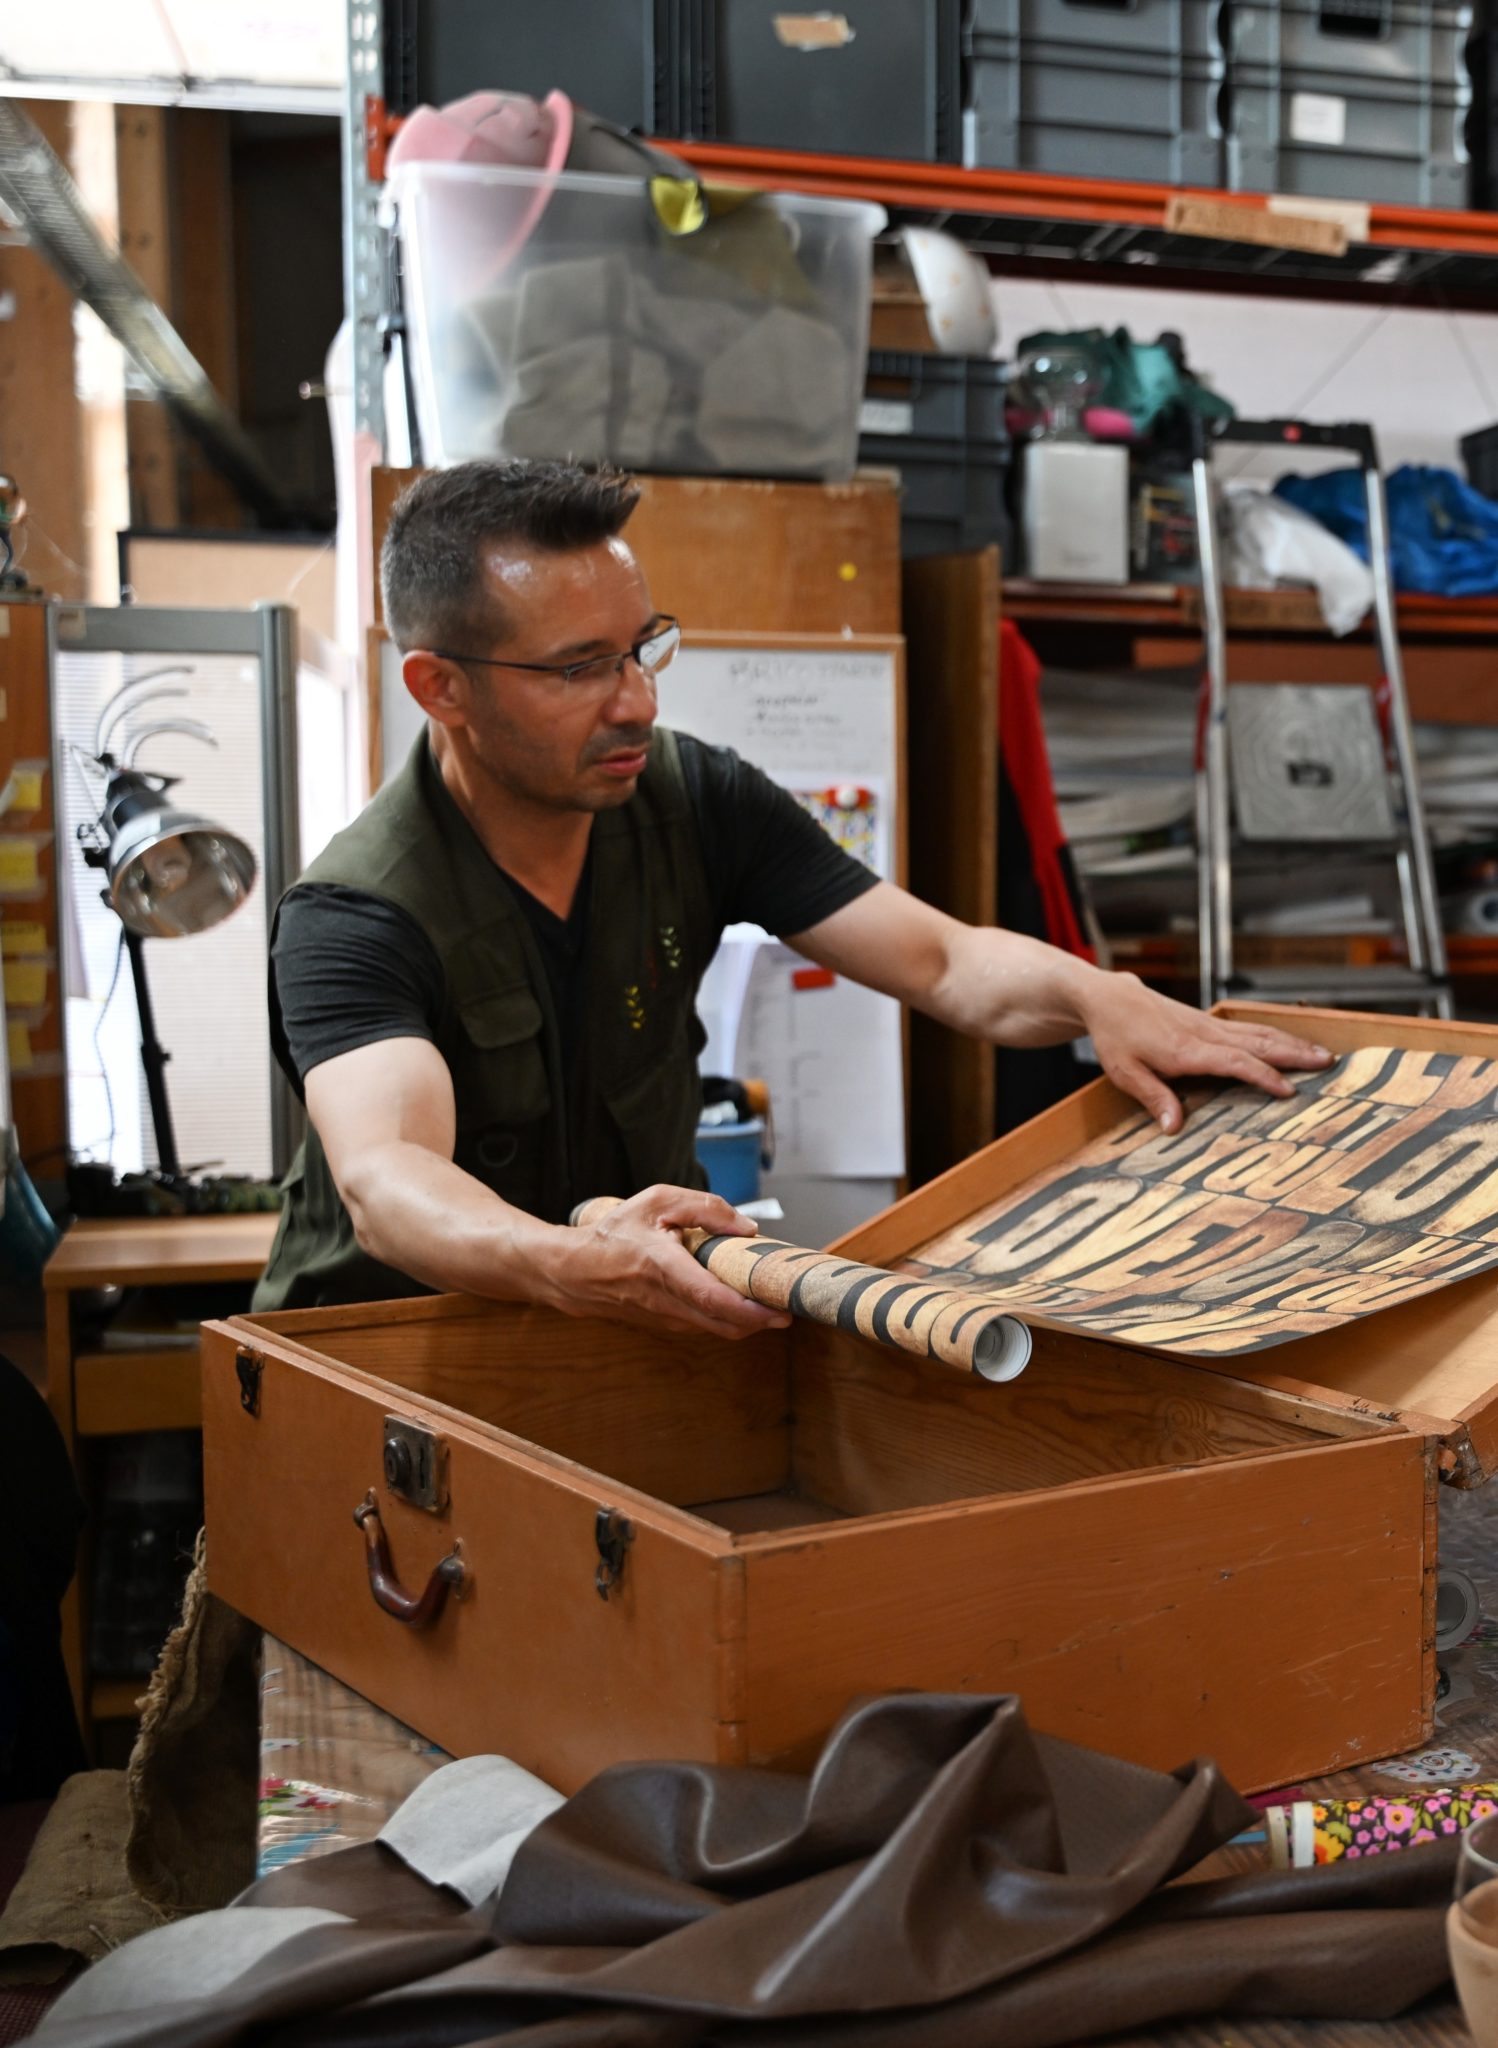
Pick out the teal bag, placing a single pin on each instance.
(1141, 378)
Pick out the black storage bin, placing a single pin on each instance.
(869, 78)
(1482, 125)
(617, 58)
(939, 420)
(1480, 460)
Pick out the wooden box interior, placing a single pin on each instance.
(789, 1430)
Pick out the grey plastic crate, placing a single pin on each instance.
(939, 420)
(618, 58)
(1391, 145)
(1083, 90)
(870, 78)
(1408, 42)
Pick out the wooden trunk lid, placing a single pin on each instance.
(1430, 1364)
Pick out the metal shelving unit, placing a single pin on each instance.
(1022, 221)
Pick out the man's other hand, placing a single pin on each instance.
(629, 1264)
(1144, 1039)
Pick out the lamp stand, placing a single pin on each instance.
(154, 1057)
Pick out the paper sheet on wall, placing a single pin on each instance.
(830, 1052)
(823, 723)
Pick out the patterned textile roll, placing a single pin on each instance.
(1325, 1830)
(958, 1327)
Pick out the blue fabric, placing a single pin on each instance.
(1443, 535)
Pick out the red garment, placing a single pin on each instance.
(1028, 768)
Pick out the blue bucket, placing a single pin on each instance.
(729, 1154)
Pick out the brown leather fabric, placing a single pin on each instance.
(944, 1879)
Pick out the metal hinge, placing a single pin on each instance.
(249, 1365)
(613, 1535)
(415, 1465)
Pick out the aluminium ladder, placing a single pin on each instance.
(1420, 984)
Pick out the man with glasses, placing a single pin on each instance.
(484, 987)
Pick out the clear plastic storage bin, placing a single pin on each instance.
(552, 314)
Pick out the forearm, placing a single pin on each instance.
(422, 1214)
(1013, 990)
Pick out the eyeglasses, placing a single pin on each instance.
(653, 652)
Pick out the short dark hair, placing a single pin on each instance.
(429, 560)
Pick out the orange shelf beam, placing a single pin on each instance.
(1032, 194)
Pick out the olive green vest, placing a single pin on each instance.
(650, 937)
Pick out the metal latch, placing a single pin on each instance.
(613, 1535)
(415, 1464)
(249, 1365)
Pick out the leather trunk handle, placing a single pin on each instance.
(416, 1610)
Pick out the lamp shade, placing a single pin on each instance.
(171, 873)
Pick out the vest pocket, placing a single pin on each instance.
(503, 1095)
(507, 1075)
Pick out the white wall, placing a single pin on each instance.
(1422, 378)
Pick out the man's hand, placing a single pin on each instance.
(1142, 1036)
(1014, 990)
(628, 1264)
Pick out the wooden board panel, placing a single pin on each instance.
(1433, 1362)
(1270, 1612)
(951, 606)
(39, 402)
(38, 1079)
(681, 1418)
(121, 1393)
(761, 557)
(530, 1663)
(161, 1251)
(875, 1432)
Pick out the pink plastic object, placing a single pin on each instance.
(1107, 423)
(505, 128)
(488, 128)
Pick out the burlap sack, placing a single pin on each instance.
(194, 1772)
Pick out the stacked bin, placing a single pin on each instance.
(1097, 91)
(1350, 99)
(621, 59)
(869, 78)
(940, 421)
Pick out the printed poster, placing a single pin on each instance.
(1262, 1220)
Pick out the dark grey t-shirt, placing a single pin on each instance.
(350, 969)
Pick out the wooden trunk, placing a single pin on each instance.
(1162, 1558)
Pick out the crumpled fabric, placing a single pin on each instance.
(1443, 535)
(1269, 540)
(943, 1879)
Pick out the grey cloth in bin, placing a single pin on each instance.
(594, 360)
(599, 398)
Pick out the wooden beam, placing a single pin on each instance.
(141, 157)
(43, 428)
(204, 277)
(951, 606)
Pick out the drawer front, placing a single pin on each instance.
(527, 1660)
(1274, 1612)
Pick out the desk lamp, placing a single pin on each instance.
(169, 872)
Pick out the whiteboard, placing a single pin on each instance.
(799, 709)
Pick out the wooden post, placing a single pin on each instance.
(43, 445)
(951, 605)
(141, 155)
